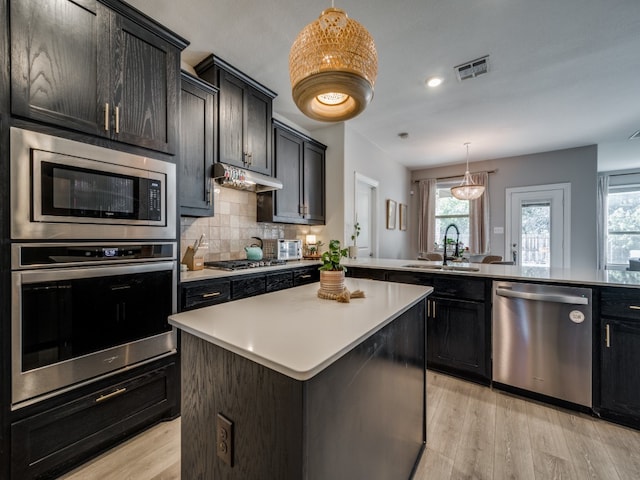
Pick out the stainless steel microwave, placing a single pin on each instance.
(63, 189)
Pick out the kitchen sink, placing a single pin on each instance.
(456, 268)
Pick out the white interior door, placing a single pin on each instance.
(365, 214)
(538, 225)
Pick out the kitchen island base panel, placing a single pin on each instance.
(361, 417)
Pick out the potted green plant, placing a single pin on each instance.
(332, 271)
(353, 250)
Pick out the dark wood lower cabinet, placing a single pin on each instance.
(456, 333)
(458, 322)
(619, 376)
(362, 417)
(57, 439)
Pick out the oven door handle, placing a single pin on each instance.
(57, 274)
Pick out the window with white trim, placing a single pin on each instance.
(450, 210)
(623, 223)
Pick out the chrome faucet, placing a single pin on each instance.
(456, 252)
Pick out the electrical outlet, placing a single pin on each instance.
(224, 439)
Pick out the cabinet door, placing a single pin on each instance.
(456, 336)
(314, 183)
(289, 152)
(257, 131)
(203, 294)
(231, 119)
(247, 286)
(58, 71)
(196, 148)
(145, 85)
(279, 281)
(306, 275)
(620, 377)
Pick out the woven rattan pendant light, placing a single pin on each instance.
(467, 190)
(333, 66)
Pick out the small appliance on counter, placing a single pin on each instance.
(281, 249)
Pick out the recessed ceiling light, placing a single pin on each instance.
(433, 81)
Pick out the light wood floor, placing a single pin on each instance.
(473, 432)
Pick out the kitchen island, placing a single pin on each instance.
(314, 389)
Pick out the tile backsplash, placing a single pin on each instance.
(230, 230)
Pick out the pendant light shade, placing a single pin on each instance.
(467, 190)
(333, 66)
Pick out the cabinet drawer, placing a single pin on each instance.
(279, 281)
(305, 276)
(414, 278)
(368, 273)
(447, 286)
(620, 302)
(247, 286)
(59, 438)
(458, 287)
(205, 294)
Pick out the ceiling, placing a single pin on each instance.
(562, 73)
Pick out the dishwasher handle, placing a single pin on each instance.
(542, 297)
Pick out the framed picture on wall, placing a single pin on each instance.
(403, 216)
(391, 214)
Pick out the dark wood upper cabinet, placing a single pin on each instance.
(299, 163)
(83, 66)
(197, 105)
(243, 116)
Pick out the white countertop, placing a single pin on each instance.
(569, 275)
(293, 331)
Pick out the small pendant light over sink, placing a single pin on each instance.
(467, 190)
(333, 66)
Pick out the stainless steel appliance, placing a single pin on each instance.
(241, 179)
(542, 339)
(232, 265)
(84, 310)
(63, 189)
(281, 249)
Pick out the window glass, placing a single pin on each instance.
(451, 210)
(623, 224)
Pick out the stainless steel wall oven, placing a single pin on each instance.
(84, 310)
(93, 260)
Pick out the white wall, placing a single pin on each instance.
(349, 152)
(394, 182)
(333, 138)
(577, 166)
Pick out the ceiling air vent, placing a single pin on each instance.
(472, 69)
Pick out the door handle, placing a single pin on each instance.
(117, 119)
(607, 336)
(542, 297)
(106, 117)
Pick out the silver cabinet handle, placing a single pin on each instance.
(607, 336)
(542, 297)
(634, 307)
(117, 119)
(212, 294)
(305, 276)
(106, 117)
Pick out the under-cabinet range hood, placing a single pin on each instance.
(234, 177)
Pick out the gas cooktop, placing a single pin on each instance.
(232, 265)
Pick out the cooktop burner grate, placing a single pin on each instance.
(242, 264)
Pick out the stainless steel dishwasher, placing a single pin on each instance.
(542, 339)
